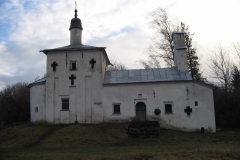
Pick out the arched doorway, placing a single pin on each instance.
(141, 112)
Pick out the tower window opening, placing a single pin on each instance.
(73, 66)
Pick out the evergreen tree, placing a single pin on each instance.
(235, 82)
(160, 52)
(193, 65)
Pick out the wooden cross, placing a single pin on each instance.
(188, 110)
(92, 62)
(72, 77)
(54, 65)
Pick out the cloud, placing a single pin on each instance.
(29, 26)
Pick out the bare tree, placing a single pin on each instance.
(161, 47)
(117, 66)
(236, 51)
(221, 66)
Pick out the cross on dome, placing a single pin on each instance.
(75, 10)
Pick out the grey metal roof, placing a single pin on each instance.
(73, 47)
(145, 75)
(38, 82)
(77, 47)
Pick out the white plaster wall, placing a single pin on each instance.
(182, 62)
(59, 86)
(180, 52)
(37, 103)
(127, 95)
(99, 106)
(75, 36)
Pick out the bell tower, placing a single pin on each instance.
(180, 51)
(75, 29)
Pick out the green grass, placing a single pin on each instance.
(109, 141)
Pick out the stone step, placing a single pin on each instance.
(147, 129)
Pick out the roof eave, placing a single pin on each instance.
(35, 84)
(73, 49)
(204, 84)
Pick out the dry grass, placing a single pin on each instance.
(109, 141)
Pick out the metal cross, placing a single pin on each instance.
(188, 110)
(72, 77)
(75, 9)
(54, 65)
(92, 62)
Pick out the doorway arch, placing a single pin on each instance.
(141, 112)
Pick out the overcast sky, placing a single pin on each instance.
(28, 26)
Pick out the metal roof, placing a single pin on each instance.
(73, 47)
(78, 47)
(38, 82)
(145, 75)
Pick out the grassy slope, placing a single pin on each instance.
(109, 141)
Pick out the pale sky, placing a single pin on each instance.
(28, 26)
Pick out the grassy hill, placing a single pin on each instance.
(109, 141)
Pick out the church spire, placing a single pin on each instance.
(75, 29)
(75, 13)
(75, 10)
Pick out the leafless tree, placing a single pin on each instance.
(161, 49)
(221, 66)
(236, 51)
(117, 66)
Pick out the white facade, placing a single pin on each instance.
(78, 88)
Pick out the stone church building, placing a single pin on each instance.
(78, 87)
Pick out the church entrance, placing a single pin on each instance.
(140, 112)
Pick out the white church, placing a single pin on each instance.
(79, 88)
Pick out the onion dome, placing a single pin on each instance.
(76, 22)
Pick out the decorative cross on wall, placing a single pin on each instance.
(188, 110)
(72, 77)
(92, 62)
(54, 65)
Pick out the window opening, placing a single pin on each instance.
(168, 108)
(65, 104)
(116, 109)
(196, 103)
(73, 66)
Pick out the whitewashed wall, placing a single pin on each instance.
(37, 103)
(175, 92)
(92, 102)
(87, 86)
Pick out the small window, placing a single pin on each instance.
(73, 66)
(65, 104)
(168, 108)
(116, 109)
(196, 103)
(36, 109)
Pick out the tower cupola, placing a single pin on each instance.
(75, 30)
(76, 22)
